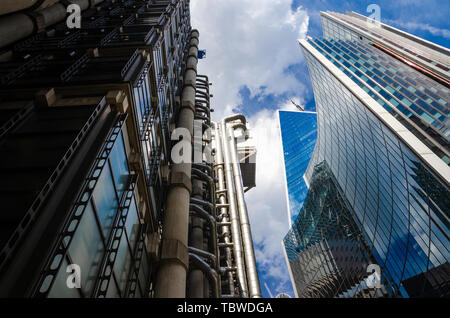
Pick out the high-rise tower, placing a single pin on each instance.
(298, 137)
(383, 132)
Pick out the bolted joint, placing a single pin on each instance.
(181, 179)
(175, 251)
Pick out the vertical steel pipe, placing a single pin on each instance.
(234, 215)
(249, 253)
(222, 200)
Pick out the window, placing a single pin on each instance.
(86, 250)
(119, 165)
(105, 200)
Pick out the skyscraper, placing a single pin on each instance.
(298, 138)
(382, 110)
(95, 201)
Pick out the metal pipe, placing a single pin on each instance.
(235, 227)
(205, 268)
(201, 166)
(171, 277)
(221, 191)
(198, 286)
(212, 222)
(204, 254)
(195, 275)
(17, 26)
(249, 253)
(204, 177)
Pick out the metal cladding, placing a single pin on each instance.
(89, 119)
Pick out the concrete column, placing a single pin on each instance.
(171, 277)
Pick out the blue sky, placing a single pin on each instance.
(256, 67)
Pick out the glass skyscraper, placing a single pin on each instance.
(325, 248)
(383, 117)
(298, 137)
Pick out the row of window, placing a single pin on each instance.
(395, 98)
(380, 178)
(101, 222)
(399, 42)
(326, 250)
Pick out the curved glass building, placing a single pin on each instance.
(383, 120)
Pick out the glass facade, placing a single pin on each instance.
(417, 101)
(353, 26)
(298, 136)
(327, 252)
(401, 206)
(105, 232)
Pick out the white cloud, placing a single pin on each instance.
(248, 42)
(252, 43)
(266, 202)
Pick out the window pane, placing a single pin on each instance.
(86, 250)
(132, 224)
(59, 288)
(122, 264)
(105, 200)
(112, 291)
(119, 165)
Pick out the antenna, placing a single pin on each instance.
(298, 106)
(268, 290)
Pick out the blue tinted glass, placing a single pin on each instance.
(105, 200)
(122, 264)
(119, 165)
(298, 133)
(86, 249)
(132, 223)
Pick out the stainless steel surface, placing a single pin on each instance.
(233, 209)
(249, 253)
(221, 191)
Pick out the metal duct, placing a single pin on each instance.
(16, 27)
(234, 215)
(205, 268)
(250, 260)
(221, 192)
